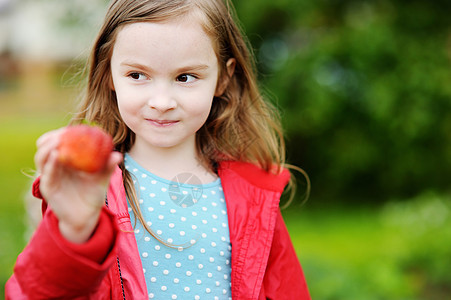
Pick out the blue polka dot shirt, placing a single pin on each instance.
(192, 218)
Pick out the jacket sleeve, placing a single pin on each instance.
(284, 278)
(52, 267)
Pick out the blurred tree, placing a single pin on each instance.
(365, 91)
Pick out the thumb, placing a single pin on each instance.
(114, 160)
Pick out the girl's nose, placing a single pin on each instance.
(161, 98)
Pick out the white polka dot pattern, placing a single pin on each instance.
(201, 268)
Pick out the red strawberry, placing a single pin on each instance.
(85, 148)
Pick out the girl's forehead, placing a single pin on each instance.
(194, 24)
(175, 27)
(192, 15)
(182, 40)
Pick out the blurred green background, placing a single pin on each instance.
(365, 93)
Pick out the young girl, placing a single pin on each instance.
(188, 205)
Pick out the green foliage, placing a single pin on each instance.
(425, 225)
(364, 89)
(399, 251)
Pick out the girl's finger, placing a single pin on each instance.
(115, 159)
(46, 144)
(43, 152)
(48, 136)
(50, 174)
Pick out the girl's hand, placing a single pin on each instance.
(75, 197)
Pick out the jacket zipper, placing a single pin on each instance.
(120, 277)
(118, 264)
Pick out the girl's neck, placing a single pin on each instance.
(167, 163)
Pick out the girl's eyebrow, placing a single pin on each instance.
(199, 67)
(134, 65)
(196, 67)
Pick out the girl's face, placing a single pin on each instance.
(165, 76)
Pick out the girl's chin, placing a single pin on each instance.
(166, 144)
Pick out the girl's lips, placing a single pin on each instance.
(162, 123)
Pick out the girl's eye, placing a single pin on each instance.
(137, 76)
(186, 78)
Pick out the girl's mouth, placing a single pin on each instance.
(162, 123)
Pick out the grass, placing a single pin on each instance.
(342, 252)
(397, 251)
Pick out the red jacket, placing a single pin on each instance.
(108, 266)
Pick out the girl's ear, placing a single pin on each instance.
(224, 79)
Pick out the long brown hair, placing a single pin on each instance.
(241, 126)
